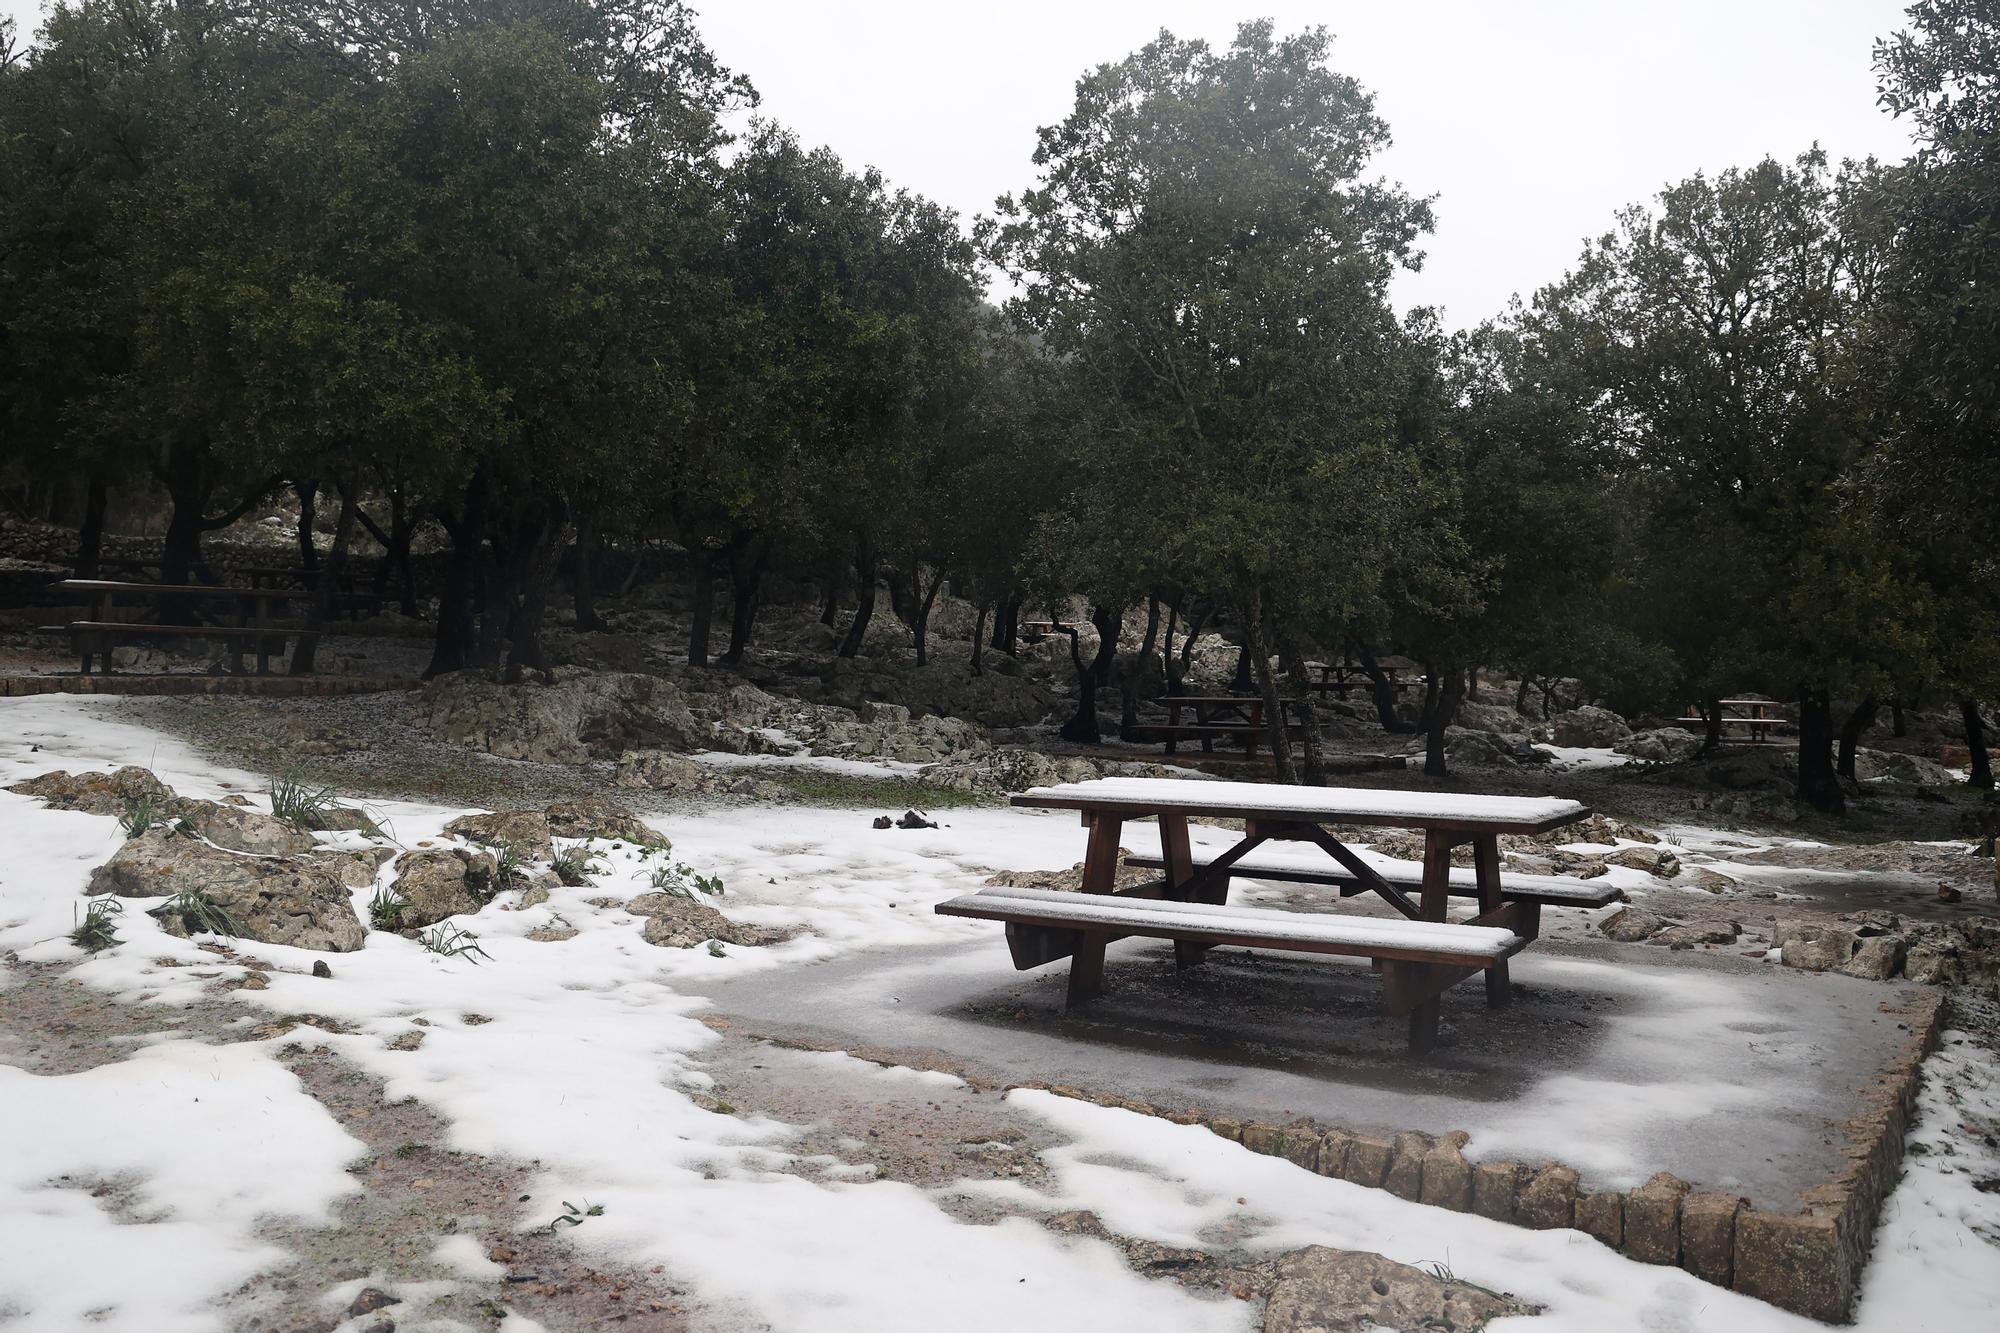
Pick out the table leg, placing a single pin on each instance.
(1486, 870)
(1100, 870)
(1437, 875)
(1179, 856)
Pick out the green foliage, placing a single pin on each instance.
(385, 910)
(574, 867)
(141, 814)
(299, 803)
(683, 881)
(98, 930)
(449, 941)
(573, 1216)
(199, 914)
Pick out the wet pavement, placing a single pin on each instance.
(1617, 1060)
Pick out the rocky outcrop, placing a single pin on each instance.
(525, 832)
(243, 830)
(1491, 749)
(97, 793)
(1879, 946)
(657, 770)
(1666, 745)
(600, 817)
(676, 921)
(1914, 770)
(1502, 718)
(1588, 727)
(1001, 697)
(296, 901)
(441, 883)
(582, 716)
(1322, 1290)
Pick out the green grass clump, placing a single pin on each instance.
(450, 942)
(385, 910)
(99, 927)
(200, 914)
(298, 802)
(141, 813)
(685, 882)
(574, 867)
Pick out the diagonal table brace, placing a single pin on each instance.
(1361, 870)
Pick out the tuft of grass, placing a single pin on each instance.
(200, 914)
(450, 942)
(385, 910)
(141, 813)
(298, 802)
(574, 867)
(684, 882)
(572, 1216)
(99, 927)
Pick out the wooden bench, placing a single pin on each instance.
(1248, 735)
(1534, 891)
(96, 638)
(1418, 959)
(1753, 716)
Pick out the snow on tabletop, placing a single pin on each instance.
(1352, 803)
(1301, 927)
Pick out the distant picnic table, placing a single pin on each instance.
(351, 592)
(1237, 717)
(1337, 678)
(250, 628)
(1752, 716)
(1420, 953)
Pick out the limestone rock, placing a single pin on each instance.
(524, 831)
(658, 770)
(1653, 1220)
(357, 867)
(1879, 958)
(1653, 860)
(1321, 1290)
(96, 793)
(1367, 1160)
(1548, 1201)
(1708, 1235)
(601, 817)
(1630, 925)
(1912, 769)
(581, 716)
(441, 883)
(1667, 745)
(1589, 727)
(1602, 1216)
(1816, 946)
(1406, 1167)
(243, 830)
(677, 922)
(1492, 749)
(272, 899)
(1447, 1178)
(1500, 718)
(1494, 1186)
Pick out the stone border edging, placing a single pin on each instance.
(268, 687)
(1809, 1262)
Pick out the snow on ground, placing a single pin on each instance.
(1573, 757)
(580, 1056)
(824, 763)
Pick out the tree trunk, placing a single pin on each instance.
(583, 586)
(864, 607)
(456, 633)
(1382, 692)
(922, 626)
(327, 586)
(979, 643)
(1711, 726)
(1442, 712)
(1267, 690)
(903, 591)
(1433, 688)
(1819, 784)
(1007, 627)
(1167, 652)
(1975, 741)
(701, 592)
(541, 555)
(308, 493)
(1312, 765)
(829, 602)
(1197, 617)
(1521, 696)
(1858, 721)
(90, 537)
(746, 588)
(1472, 685)
(1108, 621)
(1245, 679)
(1898, 725)
(1150, 641)
(1082, 728)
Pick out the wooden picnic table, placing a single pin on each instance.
(250, 624)
(1337, 678)
(1754, 716)
(1421, 954)
(352, 591)
(1238, 717)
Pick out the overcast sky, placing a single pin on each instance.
(1530, 120)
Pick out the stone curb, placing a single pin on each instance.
(1808, 1262)
(268, 687)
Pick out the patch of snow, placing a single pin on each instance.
(1579, 757)
(465, 1256)
(824, 763)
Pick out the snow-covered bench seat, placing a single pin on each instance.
(1313, 867)
(1418, 959)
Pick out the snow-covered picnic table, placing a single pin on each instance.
(1420, 955)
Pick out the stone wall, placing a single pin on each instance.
(1808, 1262)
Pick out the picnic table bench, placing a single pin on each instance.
(351, 593)
(250, 629)
(1337, 678)
(1754, 716)
(1237, 717)
(1420, 956)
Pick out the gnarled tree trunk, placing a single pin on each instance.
(90, 536)
(1858, 721)
(1450, 696)
(1975, 741)
(1383, 693)
(1819, 784)
(1081, 728)
(748, 558)
(864, 607)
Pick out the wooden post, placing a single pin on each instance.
(1486, 871)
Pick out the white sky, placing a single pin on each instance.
(1531, 120)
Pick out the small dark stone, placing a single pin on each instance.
(320, 969)
(883, 821)
(371, 1298)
